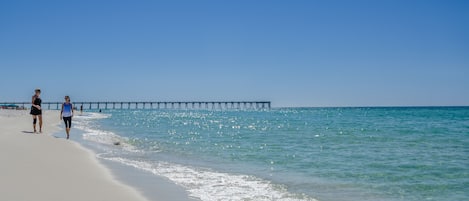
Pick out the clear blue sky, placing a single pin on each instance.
(294, 53)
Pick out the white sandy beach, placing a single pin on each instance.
(40, 167)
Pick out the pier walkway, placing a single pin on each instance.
(208, 105)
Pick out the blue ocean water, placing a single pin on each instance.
(336, 154)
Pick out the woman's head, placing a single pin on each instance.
(67, 98)
(37, 91)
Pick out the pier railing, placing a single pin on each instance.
(208, 105)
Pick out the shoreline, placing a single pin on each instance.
(152, 186)
(46, 167)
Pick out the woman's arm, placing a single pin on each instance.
(61, 111)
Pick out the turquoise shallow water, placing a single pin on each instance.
(294, 153)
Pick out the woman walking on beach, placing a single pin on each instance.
(36, 110)
(66, 114)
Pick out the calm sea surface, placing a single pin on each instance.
(336, 154)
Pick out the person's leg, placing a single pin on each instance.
(40, 123)
(66, 125)
(68, 122)
(34, 122)
(69, 126)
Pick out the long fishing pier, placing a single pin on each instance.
(183, 105)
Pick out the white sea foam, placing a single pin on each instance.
(209, 185)
(85, 123)
(91, 115)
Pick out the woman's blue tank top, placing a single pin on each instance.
(67, 110)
